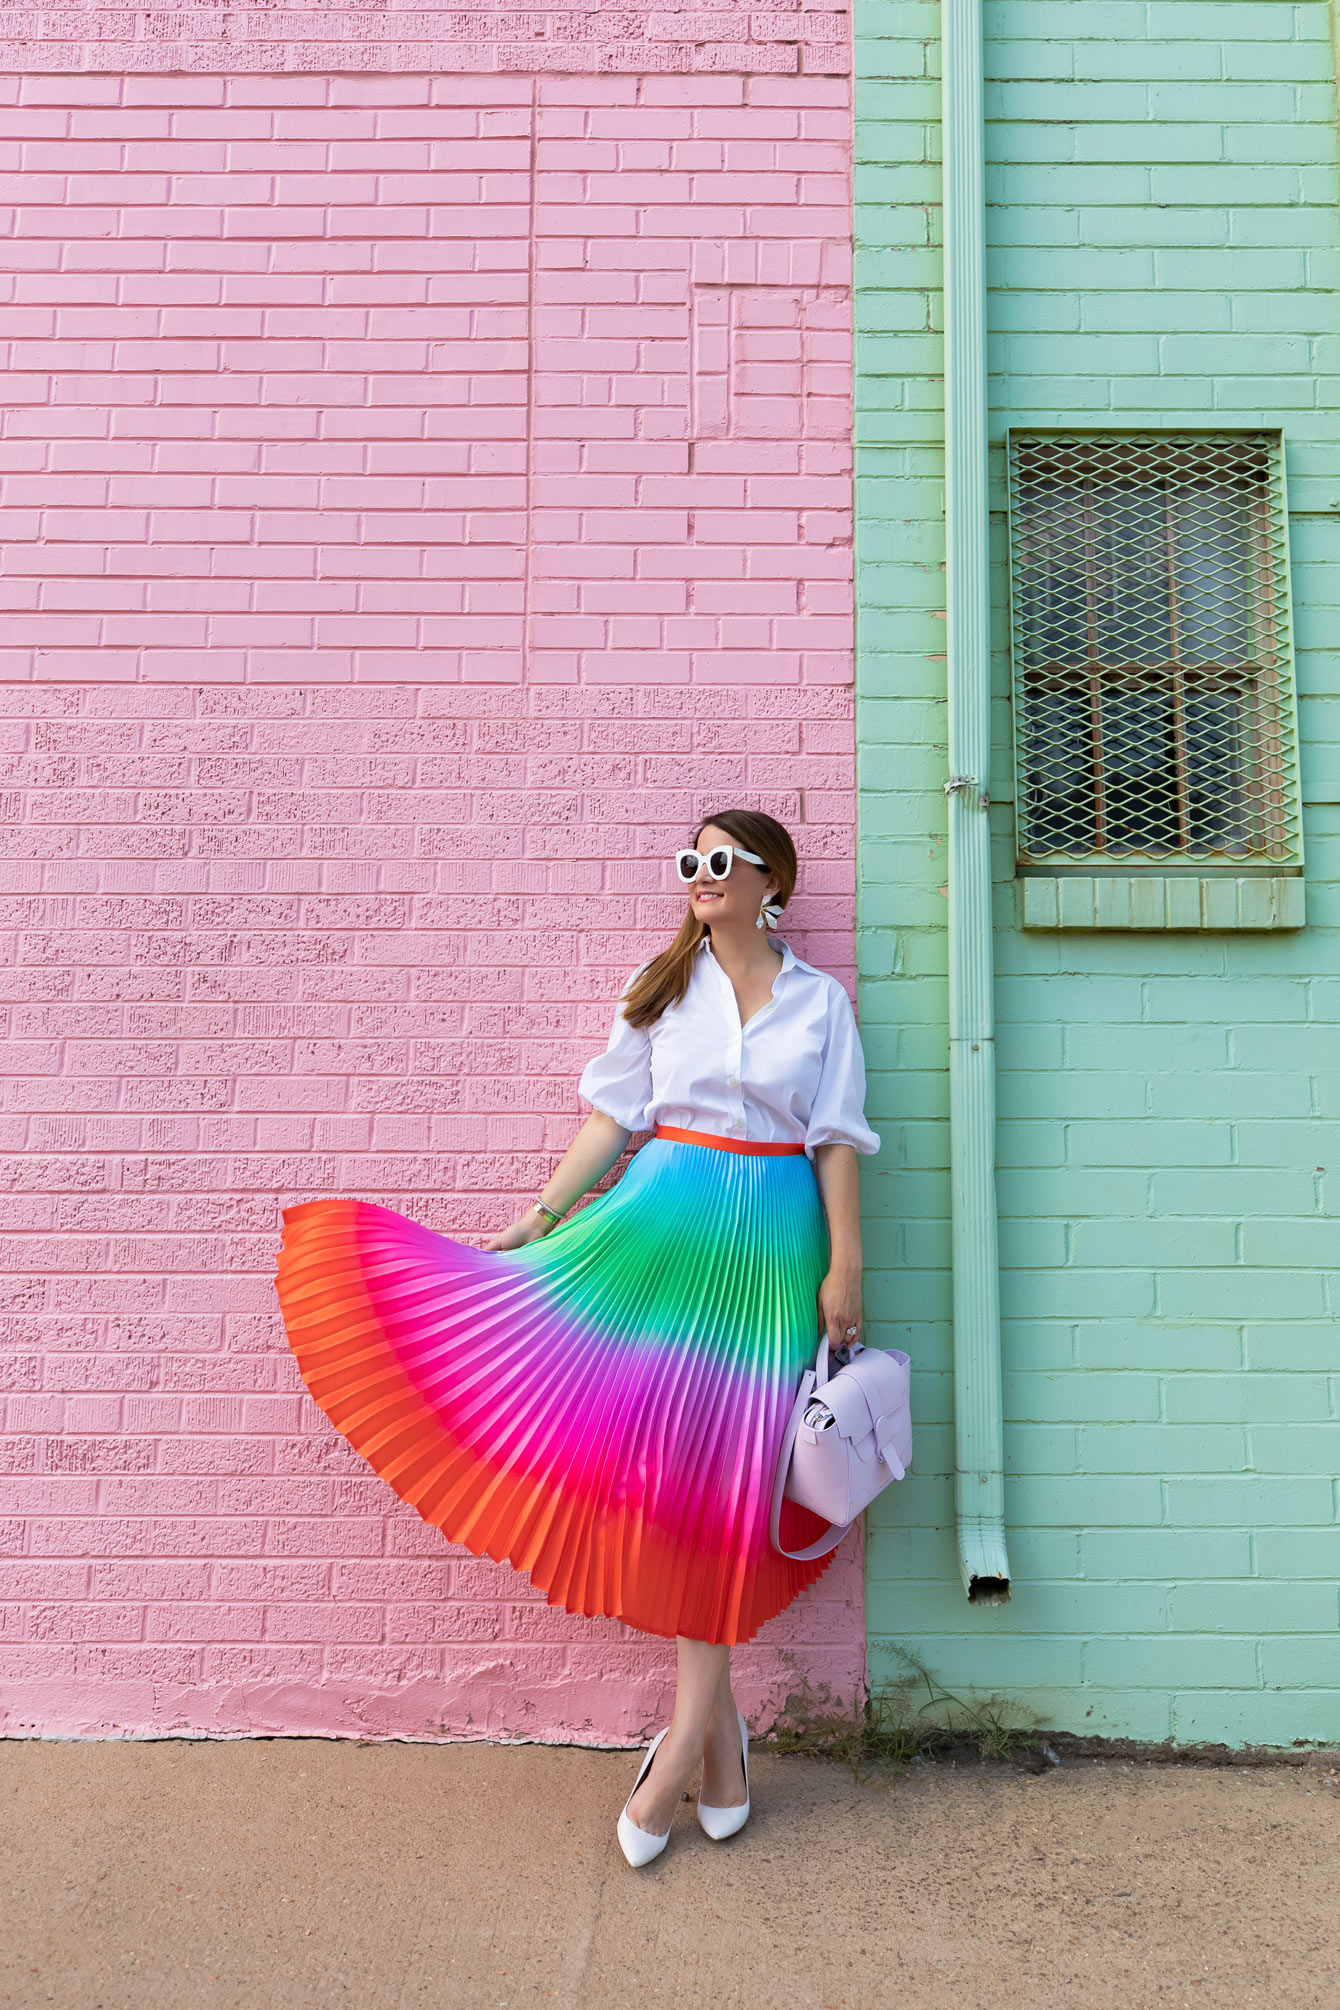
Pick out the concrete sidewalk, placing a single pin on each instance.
(297, 1874)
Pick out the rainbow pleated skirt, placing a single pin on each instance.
(602, 1409)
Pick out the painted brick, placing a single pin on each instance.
(404, 424)
(381, 599)
(1165, 1147)
(659, 44)
(1180, 1660)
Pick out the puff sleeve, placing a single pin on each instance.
(837, 1114)
(618, 1082)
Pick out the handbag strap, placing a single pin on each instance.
(814, 1378)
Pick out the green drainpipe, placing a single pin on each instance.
(979, 1496)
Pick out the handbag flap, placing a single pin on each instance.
(872, 1386)
(847, 1399)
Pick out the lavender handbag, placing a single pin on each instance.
(848, 1438)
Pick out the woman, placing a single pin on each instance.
(601, 1401)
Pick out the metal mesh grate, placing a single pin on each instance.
(1153, 673)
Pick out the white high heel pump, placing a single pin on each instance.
(722, 1822)
(637, 1844)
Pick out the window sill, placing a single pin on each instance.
(1159, 900)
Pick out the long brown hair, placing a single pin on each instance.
(666, 977)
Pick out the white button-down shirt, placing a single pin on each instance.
(794, 1074)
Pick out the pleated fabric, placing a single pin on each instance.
(602, 1409)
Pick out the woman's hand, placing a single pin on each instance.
(840, 1305)
(527, 1227)
(587, 1159)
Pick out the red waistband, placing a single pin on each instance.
(744, 1145)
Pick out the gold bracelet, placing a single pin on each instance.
(542, 1207)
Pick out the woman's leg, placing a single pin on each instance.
(723, 1758)
(704, 1677)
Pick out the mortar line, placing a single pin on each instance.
(527, 575)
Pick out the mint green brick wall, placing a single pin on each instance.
(1164, 246)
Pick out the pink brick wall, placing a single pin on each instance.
(423, 496)
(237, 37)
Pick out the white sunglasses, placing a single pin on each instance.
(719, 860)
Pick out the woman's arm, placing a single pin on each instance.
(840, 1292)
(588, 1158)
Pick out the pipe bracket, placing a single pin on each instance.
(968, 785)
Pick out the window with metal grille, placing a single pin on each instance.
(1153, 668)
